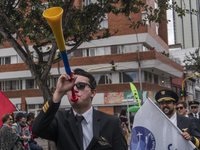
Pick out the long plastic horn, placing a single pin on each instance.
(54, 18)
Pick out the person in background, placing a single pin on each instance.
(181, 108)
(22, 129)
(124, 123)
(123, 117)
(33, 144)
(194, 107)
(9, 139)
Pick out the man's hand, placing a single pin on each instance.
(186, 136)
(64, 84)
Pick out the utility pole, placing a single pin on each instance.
(139, 65)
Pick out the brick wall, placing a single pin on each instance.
(107, 109)
(81, 61)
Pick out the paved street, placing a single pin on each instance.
(43, 143)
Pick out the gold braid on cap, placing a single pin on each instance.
(166, 99)
(194, 105)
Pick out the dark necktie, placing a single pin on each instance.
(79, 119)
(195, 115)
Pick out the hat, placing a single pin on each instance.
(166, 95)
(194, 103)
(20, 115)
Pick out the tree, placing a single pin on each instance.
(24, 18)
(192, 61)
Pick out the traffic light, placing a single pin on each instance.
(184, 93)
(113, 63)
(181, 92)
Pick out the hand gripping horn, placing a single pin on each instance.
(54, 18)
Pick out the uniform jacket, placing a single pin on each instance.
(196, 120)
(60, 127)
(191, 114)
(188, 123)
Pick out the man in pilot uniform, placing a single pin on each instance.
(167, 100)
(194, 107)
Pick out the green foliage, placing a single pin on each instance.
(192, 61)
(26, 17)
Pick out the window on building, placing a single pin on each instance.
(55, 80)
(114, 49)
(107, 50)
(92, 52)
(78, 53)
(130, 48)
(12, 85)
(174, 88)
(30, 84)
(5, 60)
(32, 106)
(150, 77)
(1, 61)
(41, 105)
(145, 48)
(168, 83)
(155, 79)
(71, 55)
(100, 51)
(144, 76)
(119, 49)
(145, 20)
(157, 27)
(129, 77)
(86, 53)
(104, 23)
(103, 78)
(18, 106)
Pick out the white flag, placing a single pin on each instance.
(152, 130)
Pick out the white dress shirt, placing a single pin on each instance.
(173, 119)
(196, 114)
(87, 127)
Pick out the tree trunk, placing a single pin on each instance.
(46, 93)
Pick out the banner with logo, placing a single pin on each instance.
(113, 98)
(152, 130)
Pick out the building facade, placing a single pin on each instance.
(186, 29)
(124, 48)
(191, 85)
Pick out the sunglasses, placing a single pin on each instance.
(10, 119)
(177, 108)
(81, 85)
(193, 107)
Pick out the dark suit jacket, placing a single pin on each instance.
(188, 123)
(60, 127)
(191, 114)
(196, 121)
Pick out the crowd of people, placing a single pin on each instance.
(17, 135)
(83, 127)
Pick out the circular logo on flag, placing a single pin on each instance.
(142, 139)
